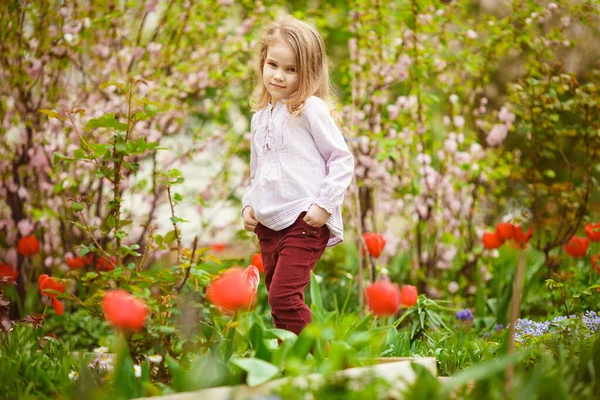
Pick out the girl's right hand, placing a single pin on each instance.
(250, 220)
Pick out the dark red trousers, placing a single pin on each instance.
(288, 257)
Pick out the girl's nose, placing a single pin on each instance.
(278, 76)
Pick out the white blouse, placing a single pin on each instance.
(295, 163)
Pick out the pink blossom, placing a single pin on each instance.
(506, 116)
(459, 121)
(497, 135)
(25, 227)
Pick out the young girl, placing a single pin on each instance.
(300, 166)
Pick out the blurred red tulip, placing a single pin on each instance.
(28, 246)
(577, 246)
(375, 243)
(592, 231)
(123, 311)
(383, 298)
(409, 295)
(218, 247)
(49, 287)
(231, 291)
(76, 262)
(522, 238)
(257, 261)
(8, 274)
(252, 277)
(491, 240)
(505, 231)
(104, 265)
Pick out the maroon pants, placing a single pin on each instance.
(288, 257)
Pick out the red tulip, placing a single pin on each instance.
(218, 247)
(257, 261)
(375, 243)
(231, 291)
(491, 240)
(104, 265)
(383, 298)
(408, 295)
(252, 276)
(123, 311)
(577, 246)
(49, 287)
(522, 238)
(28, 246)
(8, 274)
(592, 231)
(77, 262)
(505, 231)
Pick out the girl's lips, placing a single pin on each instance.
(277, 86)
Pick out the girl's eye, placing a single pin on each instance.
(292, 69)
(272, 64)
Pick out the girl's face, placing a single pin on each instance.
(280, 72)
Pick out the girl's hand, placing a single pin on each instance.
(316, 216)
(250, 220)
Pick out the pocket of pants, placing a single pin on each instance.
(310, 231)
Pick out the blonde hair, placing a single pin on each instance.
(311, 59)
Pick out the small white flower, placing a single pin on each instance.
(471, 34)
(528, 21)
(459, 121)
(491, 23)
(318, 278)
(552, 6)
(101, 350)
(74, 375)
(301, 383)
(453, 99)
(155, 359)
(137, 369)
(105, 362)
(453, 287)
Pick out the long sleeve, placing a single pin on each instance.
(332, 147)
(253, 156)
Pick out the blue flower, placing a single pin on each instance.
(525, 326)
(464, 315)
(498, 327)
(591, 320)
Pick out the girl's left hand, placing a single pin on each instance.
(316, 216)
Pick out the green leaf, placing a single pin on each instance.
(77, 207)
(150, 109)
(481, 371)
(106, 121)
(158, 239)
(124, 376)
(50, 113)
(170, 237)
(166, 329)
(315, 295)
(258, 371)
(177, 373)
